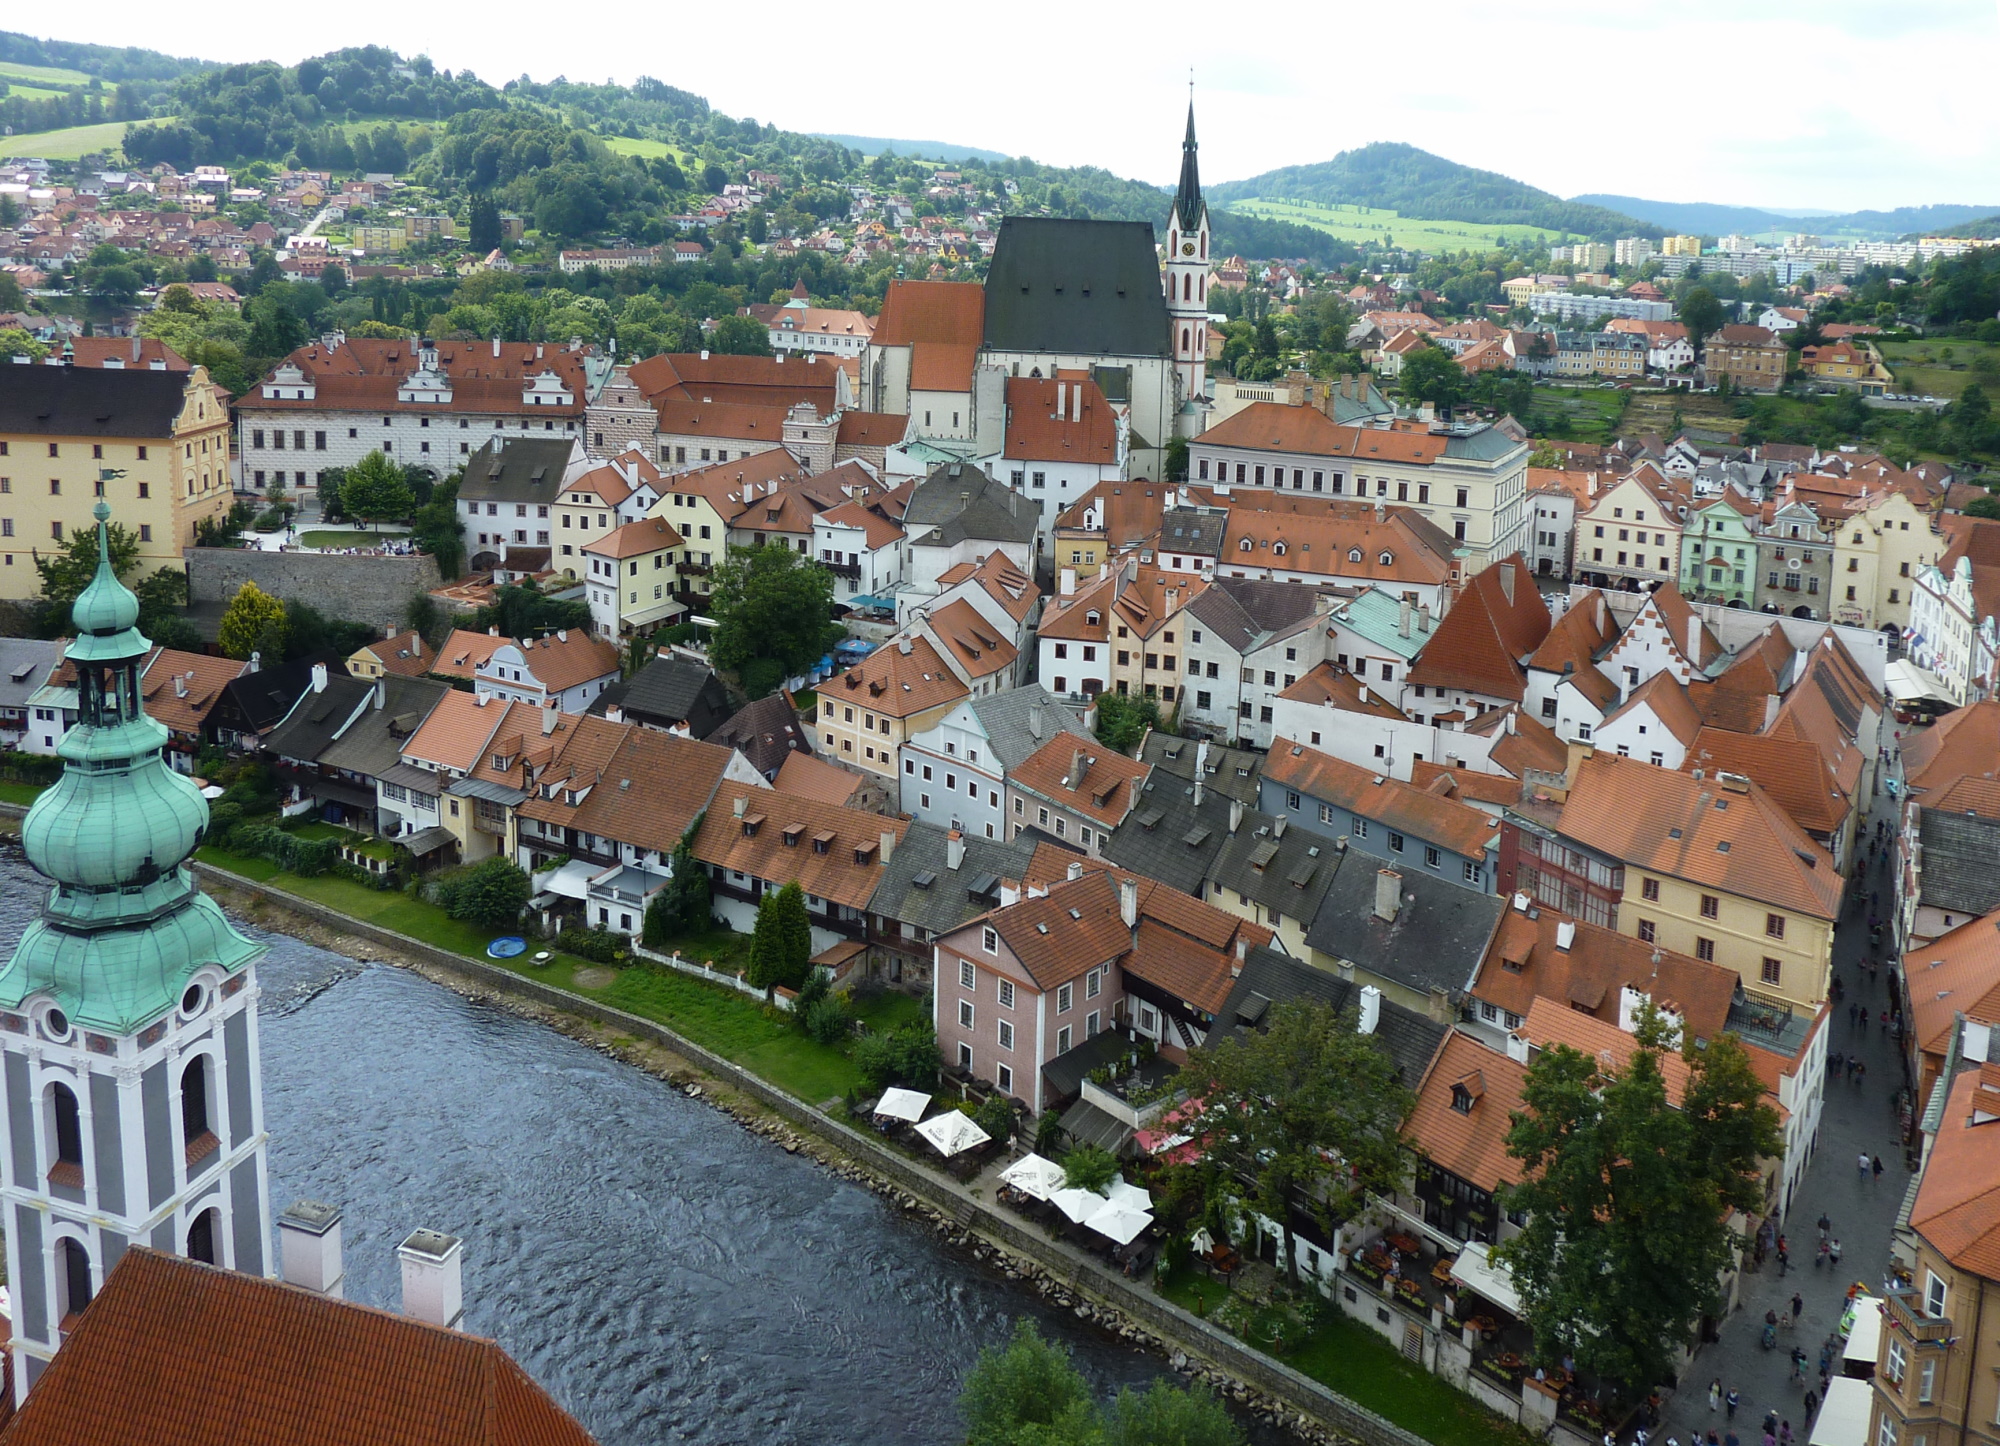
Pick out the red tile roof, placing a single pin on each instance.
(1046, 421)
(899, 684)
(1459, 827)
(1275, 427)
(1083, 776)
(1472, 1144)
(832, 852)
(1957, 1208)
(1496, 620)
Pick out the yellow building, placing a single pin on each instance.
(155, 445)
(379, 238)
(867, 713)
(1880, 546)
(1680, 246)
(630, 578)
(428, 228)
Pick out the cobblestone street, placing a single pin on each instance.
(1862, 1208)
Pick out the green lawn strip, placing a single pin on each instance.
(714, 1016)
(51, 74)
(1359, 1364)
(21, 793)
(68, 144)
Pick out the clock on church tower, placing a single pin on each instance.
(128, 1015)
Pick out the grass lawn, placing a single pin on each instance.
(1362, 224)
(29, 92)
(1365, 1368)
(1942, 366)
(734, 1025)
(637, 146)
(21, 793)
(67, 144)
(1654, 412)
(53, 75)
(1580, 414)
(338, 537)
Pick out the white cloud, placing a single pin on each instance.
(1830, 103)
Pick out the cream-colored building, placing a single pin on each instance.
(867, 713)
(629, 578)
(597, 503)
(1630, 535)
(1881, 546)
(154, 445)
(1680, 246)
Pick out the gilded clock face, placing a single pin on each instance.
(1187, 248)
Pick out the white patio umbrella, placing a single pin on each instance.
(1123, 1192)
(1119, 1221)
(902, 1104)
(1079, 1205)
(951, 1131)
(1032, 1175)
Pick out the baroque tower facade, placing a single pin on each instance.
(1188, 267)
(128, 1016)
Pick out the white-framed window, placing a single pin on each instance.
(989, 940)
(1006, 994)
(1489, 1012)
(1006, 1034)
(1062, 1040)
(1934, 1296)
(965, 1014)
(1894, 1362)
(1471, 872)
(1065, 996)
(1885, 1434)
(1927, 1380)
(967, 975)
(1091, 1025)
(1004, 1077)
(965, 1056)
(1093, 983)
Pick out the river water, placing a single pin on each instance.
(665, 1274)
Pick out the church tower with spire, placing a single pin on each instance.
(128, 1015)
(1188, 267)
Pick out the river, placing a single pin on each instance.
(665, 1274)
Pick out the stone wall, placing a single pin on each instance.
(372, 590)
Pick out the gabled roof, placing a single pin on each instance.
(1434, 942)
(1348, 543)
(1957, 973)
(181, 689)
(672, 689)
(176, 1353)
(1276, 427)
(978, 647)
(1271, 978)
(1067, 932)
(316, 718)
(1083, 776)
(1957, 1208)
(636, 539)
(1074, 288)
(833, 852)
(406, 653)
(91, 402)
(1668, 700)
(455, 734)
(958, 501)
(946, 899)
(1959, 851)
(1965, 743)
(563, 659)
(261, 699)
(1472, 1143)
(804, 775)
(1701, 830)
(1126, 512)
(464, 651)
(1231, 772)
(899, 683)
(1246, 613)
(949, 312)
(1169, 837)
(518, 469)
(764, 732)
(1333, 686)
(373, 743)
(1059, 419)
(1791, 770)
(878, 530)
(1496, 621)
(1020, 720)
(651, 789)
(722, 379)
(1466, 831)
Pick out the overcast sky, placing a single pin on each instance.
(1836, 104)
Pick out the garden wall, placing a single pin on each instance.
(372, 590)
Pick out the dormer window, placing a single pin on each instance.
(1386, 558)
(1354, 554)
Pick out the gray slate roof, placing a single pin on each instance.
(668, 690)
(1270, 978)
(316, 717)
(92, 401)
(1436, 941)
(25, 664)
(1196, 530)
(1080, 288)
(1247, 612)
(1287, 870)
(1168, 837)
(526, 469)
(1488, 444)
(945, 900)
(375, 743)
(1959, 855)
(960, 501)
(764, 732)
(1009, 721)
(1231, 772)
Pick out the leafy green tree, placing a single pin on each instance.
(740, 336)
(1987, 506)
(682, 907)
(1027, 1383)
(781, 944)
(1177, 460)
(374, 490)
(491, 894)
(1306, 1115)
(1701, 314)
(482, 230)
(117, 285)
(249, 621)
(1628, 1198)
(435, 528)
(309, 631)
(1089, 1167)
(162, 594)
(16, 342)
(1122, 721)
(1971, 420)
(523, 610)
(773, 611)
(68, 570)
(1166, 1414)
(1432, 374)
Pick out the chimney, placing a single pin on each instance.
(1381, 510)
(381, 690)
(1075, 870)
(1694, 639)
(1128, 902)
(309, 1248)
(493, 632)
(903, 646)
(1565, 935)
(137, 346)
(1235, 814)
(1507, 582)
(432, 1290)
(256, 663)
(954, 850)
(496, 348)
(1371, 1009)
(1423, 618)
(319, 677)
(1388, 894)
(1771, 706)
(1403, 618)
(1068, 583)
(549, 716)
(1361, 694)
(888, 842)
(180, 685)
(388, 632)
(1079, 764)
(1242, 953)
(1035, 721)
(741, 802)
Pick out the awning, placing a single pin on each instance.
(571, 881)
(902, 1104)
(417, 780)
(1122, 1223)
(1032, 1175)
(1907, 683)
(489, 792)
(427, 840)
(1078, 1205)
(1475, 1270)
(952, 1131)
(1843, 1415)
(1864, 1342)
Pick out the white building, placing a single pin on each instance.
(564, 670)
(1246, 642)
(954, 773)
(1952, 632)
(865, 550)
(1575, 306)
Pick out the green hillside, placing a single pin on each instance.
(1394, 177)
(1365, 226)
(72, 143)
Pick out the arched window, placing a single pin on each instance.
(1278, 548)
(66, 1138)
(1245, 544)
(201, 1238)
(1184, 339)
(196, 1133)
(72, 1281)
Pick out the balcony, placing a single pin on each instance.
(1903, 1312)
(849, 570)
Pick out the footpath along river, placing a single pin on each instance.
(665, 1274)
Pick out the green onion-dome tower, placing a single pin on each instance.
(128, 1015)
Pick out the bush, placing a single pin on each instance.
(223, 817)
(903, 1056)
(996, 1117)
(828, 1021)
(810, 993)
(1089, 1168)
(600, 946)
(29, 768)
(491, 893)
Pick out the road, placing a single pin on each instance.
(1862, 1210)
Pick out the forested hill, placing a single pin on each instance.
(1401, 178)
(105, 62)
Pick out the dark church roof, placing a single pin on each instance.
(92, 401)
(1187, 200)
(1080, 288)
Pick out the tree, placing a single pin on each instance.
(1971, 419)
(1701, 314)
(740, 336)
(1987, 506)
(67, 571)
(682, 907)
(482, 230)
(1122, 722)
(1026, 1383)
(1628, 1198)
(773, 611)
(1177, 460)
(781, 945)
(1432, 374)
(16, 342)
(435, 527)
(491, 894)
(309, 631)
(162, 594)
(521, 610)
(249, 621)
(1165, 1414)
(1306, 1115)
(374, 490)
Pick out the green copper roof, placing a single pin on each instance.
(124, 927)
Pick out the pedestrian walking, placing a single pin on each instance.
(1853, 1015)
(1885, 1021)
(1878, 1167)
(1862, 1164)
(1812, 1404)
(1785, 1433)
(1798, 1364)
(1860, 1074)
(1833, 1250)
(1730, 1403)
(1714, 1396)
(1798, 1307)
(1784, 1256)
(1825, 1225)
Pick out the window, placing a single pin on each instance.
(1395, 842)
(1065, 996)
(1934, 1296)
(1470, 872)
(1648, 932)
(989, 940)
(964, 1056)
(1649, 889)
(1007, 1034)
(1004, 1077)
(1062, 1040)
(1704, 950)
(965, 1014)
(1006, 994)
(1093, 985)
(73, 1278)
(1774, 926)
(1711, 907)
(1927, 1380)
(1896, 1361)
(1360, 829)
(195, 1131)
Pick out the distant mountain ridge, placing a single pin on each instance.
(927, 150)
(1396, 177)
(1703, 218)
